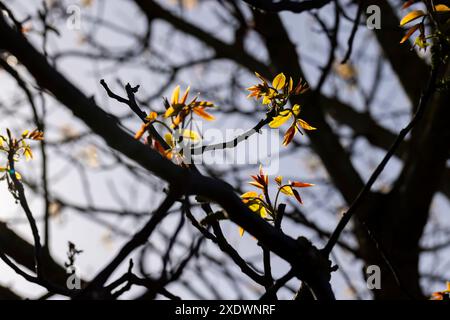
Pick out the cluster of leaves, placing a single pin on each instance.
(180, 114)
(442, 295)
(15, 148)
(421, 40)
(261, 203)
(276, 96)
(178, 117)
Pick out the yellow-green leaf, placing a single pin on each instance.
(296, 109)
(421, 42)
(266, 100)
(28, 154)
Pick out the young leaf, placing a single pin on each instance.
(298, 184)
(407, 4)
(279, 81)
(202, 113)
(410, 33)
(413, 15)
(289, 135)
(297, 196)
(175, 95)
(152, 116)
(441, 8)
(279, 120)
(279, 180)
(305, 125)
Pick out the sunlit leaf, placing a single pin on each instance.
(266, 100)
(175, 95)
(298, 184)
(291, 84)
(263, 176)
(263, 212)
(141, 131)
(185, 95)
(152, 116)
(289, 135)
(169, 139)
(279, 180)
(279, 120)
(249, 195)
(36, 135)
(202, 113)
(441, 8)
(279, 81)
(413, 15)
(421, 42)
(28, 154)
(256, 184)
(169, 112)
(305, 125)
(410, 33)
(258, 208)
(296, 109)
(287, 190)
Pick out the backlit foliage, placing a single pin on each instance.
(261, 203)
(179, 113)
(422, 16)
(14, 149)
(276, 96)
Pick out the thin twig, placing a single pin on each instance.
(401, 136)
